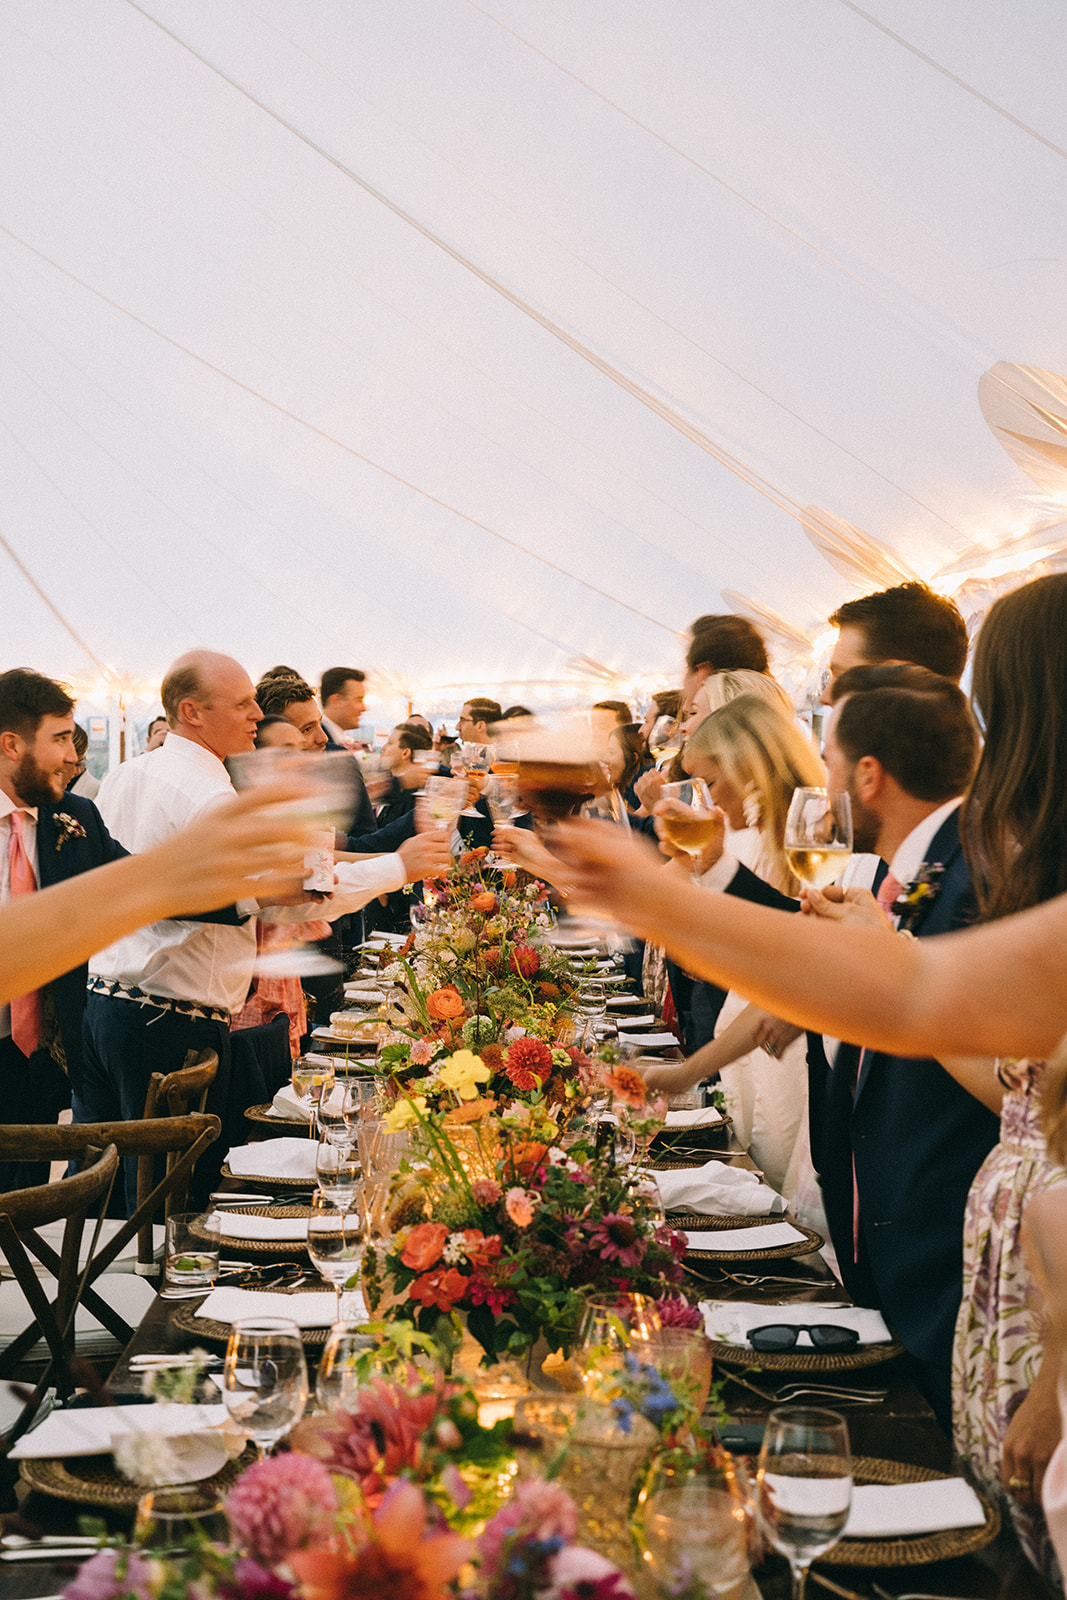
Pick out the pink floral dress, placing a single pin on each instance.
(999, 1339)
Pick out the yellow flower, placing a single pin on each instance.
(463, 1072)
(405, 1113)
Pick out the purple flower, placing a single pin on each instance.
(111, 1573)
(536, 1510)
(253, 1582)
(283, 1504)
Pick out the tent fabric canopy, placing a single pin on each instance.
(460, 339)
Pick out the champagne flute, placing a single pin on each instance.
(339, 1171)
(264, 1379)
(336, 1241)
(818, 835)
(804, 1485)
(693, 822)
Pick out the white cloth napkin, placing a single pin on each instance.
(768, 1237)
(695, 1117)
(274, 1158)
(367, 994)
(235, 1225)
(730, 1320)
(288, 1104)
(89, 1432)
(314, 1310)
(631, 1021)
(893, 1510)
(716, 1188)
(661, 1040)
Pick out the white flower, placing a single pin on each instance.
(455, 1248)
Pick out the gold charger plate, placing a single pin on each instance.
(916, 1549)
(212, 1332)
(808, 1360)
(263, 1114)
(811, 1242)
(96, 1481)
(266, 1182)
(259, 1247)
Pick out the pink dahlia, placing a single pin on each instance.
(380, 1437)
(579, 1574)
(283, 1504)
(536, 1510)
(111, 1573)
(676, 1312)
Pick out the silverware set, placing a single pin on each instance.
(840, 1394)
(51, 1547)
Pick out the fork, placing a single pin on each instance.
(859, 1397)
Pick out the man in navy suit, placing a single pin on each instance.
(903, 745)
(46, 836)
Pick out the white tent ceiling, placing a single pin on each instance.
(457, 339)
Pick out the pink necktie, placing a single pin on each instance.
(26, 1012)
(888, 893)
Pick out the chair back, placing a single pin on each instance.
(174, 1094)
(22, 1212)
(181, 1140)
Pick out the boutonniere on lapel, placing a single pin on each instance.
(67, 827)
(916, 897)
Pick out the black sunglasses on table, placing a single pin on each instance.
(783, 1336)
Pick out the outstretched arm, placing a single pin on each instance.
(1000, 989)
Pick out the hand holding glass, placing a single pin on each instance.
(818, 835)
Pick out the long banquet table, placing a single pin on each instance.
(901, 1428)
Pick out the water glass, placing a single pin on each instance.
(339, 1110)
(612, 1326)
(804, 1485)
(338, 1171)
(696, 1541)
(169, 1520)
(265, 1381)
(339, 1378)
(336, 1242)
(191, 1253)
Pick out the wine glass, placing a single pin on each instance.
(264, 1379)
(804, 1485)
(330, 780)
(501, 794)
(443, 799)
(692, 823)
(312, 1076)
(696, 1541)
(664, 740)
(339, 1108)
(335, 1240)
(339, 1378)
(818, 835)
(610, 1327)
(338, 1170)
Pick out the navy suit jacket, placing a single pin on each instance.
(917, 1138)
(362, 819)
(60, 858)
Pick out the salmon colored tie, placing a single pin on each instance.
(27, 1012)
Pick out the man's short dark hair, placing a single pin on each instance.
(486, 711)
(278, 690)
(726, 644)
(515, 711)
(916, 723)
(413, 736)
(269, 722)
(621, 711)
(909, 623)
(81, 741)
(334, 680)
(26, 697)
(668, 702)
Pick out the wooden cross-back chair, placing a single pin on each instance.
(22, 1212)
(174, 1094)
(182, 1140)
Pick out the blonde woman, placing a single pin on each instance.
(752, 756)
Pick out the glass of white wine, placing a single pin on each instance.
(818, 835)
(692, 822)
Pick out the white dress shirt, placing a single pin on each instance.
(147, 800)
(29, 841)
